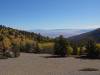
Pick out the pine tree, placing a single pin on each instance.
(37, 49)
(60, 46)
(91, 49)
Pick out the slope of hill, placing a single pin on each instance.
(95, 35)
(7, 31)
(13, 40)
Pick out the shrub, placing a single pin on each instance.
(92, 50)
(69, 50)
(75, 49)
(16, 50)
(46, 47)
(78, 51)
(7, 43)
(82, 50)
(27, 45)
(98, 51)
(37, 49)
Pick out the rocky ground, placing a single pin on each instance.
(42, 64)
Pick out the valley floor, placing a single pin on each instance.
(39, 64)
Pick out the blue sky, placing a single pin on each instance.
(50, 14)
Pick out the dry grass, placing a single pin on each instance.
(46, 45)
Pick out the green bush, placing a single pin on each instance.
(78, 51)
(69, 50)
(16, 50)
(92, 50)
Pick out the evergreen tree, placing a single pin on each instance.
(60, 46)
(74, 46)
(37, 49)
(91, 49)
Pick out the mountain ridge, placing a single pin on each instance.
(94, 34)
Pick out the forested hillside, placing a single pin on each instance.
(13, 41)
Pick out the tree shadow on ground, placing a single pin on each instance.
(53, 56)
(85, 57)
(89, 69)
(3, 57)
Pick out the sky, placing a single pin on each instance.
(50, 14)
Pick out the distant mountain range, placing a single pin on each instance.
(94, 34)
(65, 32)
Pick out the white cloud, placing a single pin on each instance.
(92, 26)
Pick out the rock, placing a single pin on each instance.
(10, 54)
